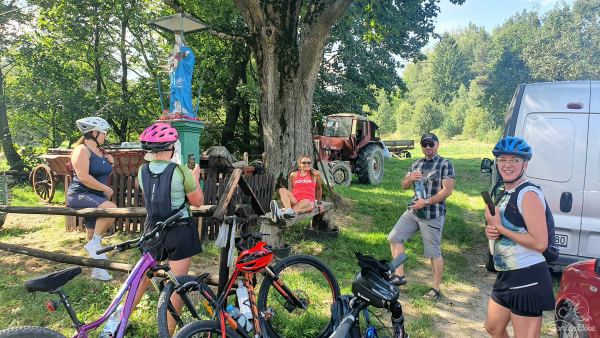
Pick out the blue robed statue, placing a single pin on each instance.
(181, 68)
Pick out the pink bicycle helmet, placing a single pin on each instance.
(158, 137)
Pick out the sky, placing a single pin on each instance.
(486, 13)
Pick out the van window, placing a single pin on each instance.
(552, 141)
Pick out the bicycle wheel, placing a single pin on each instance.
(186, 316)
(205, 328)
(311, 281)
(29, 332)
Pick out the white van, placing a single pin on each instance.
(561, 122)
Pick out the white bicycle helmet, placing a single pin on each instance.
(92, 123)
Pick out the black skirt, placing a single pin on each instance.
(526, 292)
(178, 242)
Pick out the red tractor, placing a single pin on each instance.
(350, 144)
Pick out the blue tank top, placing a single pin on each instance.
(99, 168)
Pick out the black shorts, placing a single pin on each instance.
(526, 292)
(178, 242)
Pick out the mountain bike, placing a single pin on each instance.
(53, 283)
(294, 298)
(371, 287)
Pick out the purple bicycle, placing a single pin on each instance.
(53, 283)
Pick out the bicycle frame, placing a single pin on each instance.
(258, 320)
(130, 286)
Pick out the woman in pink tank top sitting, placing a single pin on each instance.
(305, 194)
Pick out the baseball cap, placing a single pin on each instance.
(429, 137)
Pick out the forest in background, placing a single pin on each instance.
(466, 82)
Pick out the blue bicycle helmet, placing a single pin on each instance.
(511, 145)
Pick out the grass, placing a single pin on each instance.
(365, 222)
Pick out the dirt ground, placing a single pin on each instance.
(463, 308)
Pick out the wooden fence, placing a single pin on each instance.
(128, 194)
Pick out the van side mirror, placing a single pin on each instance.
(597, 266)
(486, 166)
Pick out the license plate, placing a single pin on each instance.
(561, 240)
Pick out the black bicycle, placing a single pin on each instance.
(371, 287)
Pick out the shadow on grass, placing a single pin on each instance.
(16, 232)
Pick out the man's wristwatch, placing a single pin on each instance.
(427, 202)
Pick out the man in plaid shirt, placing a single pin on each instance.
(433, 179)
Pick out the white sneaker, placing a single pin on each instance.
(274, 211)
(91, 247)
(289, 213)
(101, 274)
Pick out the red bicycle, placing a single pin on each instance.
(293, 300)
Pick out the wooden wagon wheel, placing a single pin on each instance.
(43, 182)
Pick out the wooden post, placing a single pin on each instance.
(275, 238)
(230, 188)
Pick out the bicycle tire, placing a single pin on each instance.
(163, 305)
(319, 290)
(192, 330)
(29, 332)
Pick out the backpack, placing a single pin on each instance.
(552, 251)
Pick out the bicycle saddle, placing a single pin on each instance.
(52, 281)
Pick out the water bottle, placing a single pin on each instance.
(242, 296)
(235, 313)
(110, 327)
(419, 193)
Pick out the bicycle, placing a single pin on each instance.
(297, 290)
(53, 283)
(371, 287)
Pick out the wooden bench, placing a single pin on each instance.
(320, 227)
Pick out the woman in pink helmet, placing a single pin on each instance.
(169, 188)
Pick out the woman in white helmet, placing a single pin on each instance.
(89, 187)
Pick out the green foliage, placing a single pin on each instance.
(449, 69)
(364, 48)
(427, 116)
(472, 75)
(457, 110)
(384, 115)
(403, 113)
(565, 47)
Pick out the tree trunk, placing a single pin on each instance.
(232, 98)
(121, 131)
(14, 160)
(288, 53)
(97, 70)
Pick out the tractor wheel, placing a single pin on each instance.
(370, 165)
(341, 174)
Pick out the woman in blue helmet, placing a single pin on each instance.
(519, 230)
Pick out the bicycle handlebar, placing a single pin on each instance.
(127, 244)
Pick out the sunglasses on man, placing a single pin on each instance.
(428, 144)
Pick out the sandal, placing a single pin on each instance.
(433, 295)
(398, 280)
